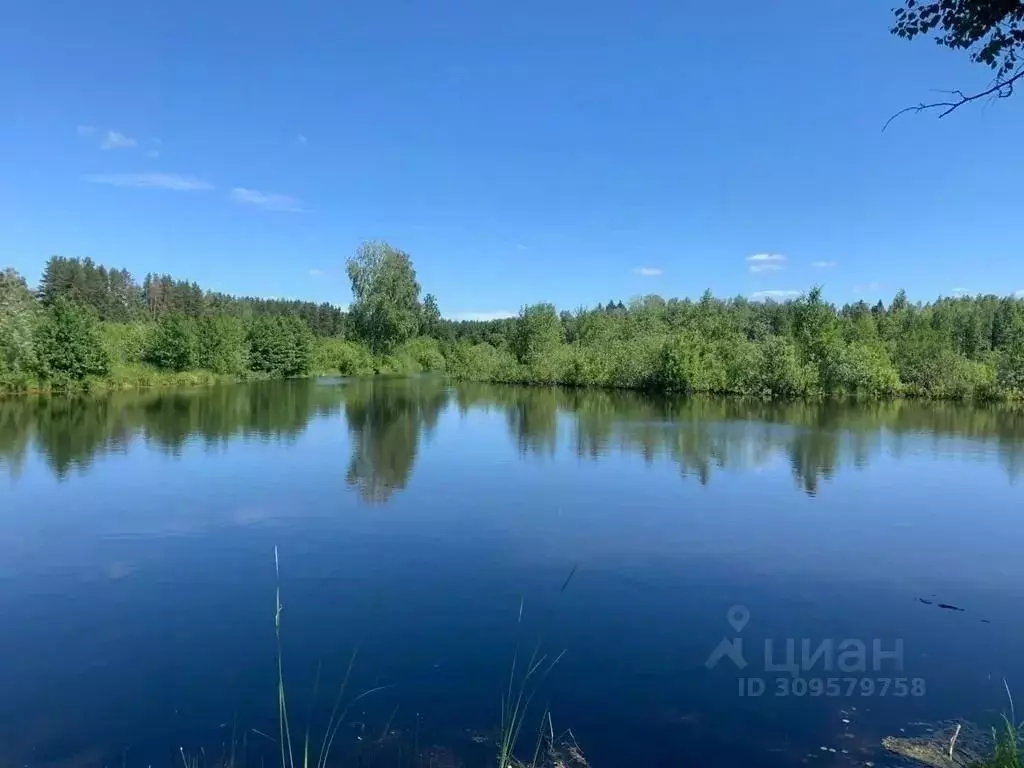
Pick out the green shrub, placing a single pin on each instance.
(280, 346)
(19, 315)
(507, 369)
(12, 382)
(934, 369)
(349, 358)
(739, 359)
(477, 362)
(174, 344)
(354, 359)
(126, 343)
(418, 355)
(967, 379)
(68, 345)
(537, 332)
(1010, 367)
(396, 364)
(222, 346)
(689, 363)
(581, 367)
(868, 370)
(426, 353)
(780, 372)
(632, 364)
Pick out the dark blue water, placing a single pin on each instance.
(438, 528)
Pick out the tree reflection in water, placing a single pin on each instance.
(389, 417)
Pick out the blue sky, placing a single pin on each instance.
(566, 151)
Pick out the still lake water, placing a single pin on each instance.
(434, 527)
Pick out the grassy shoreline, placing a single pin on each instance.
(142, 377)
(139, 378)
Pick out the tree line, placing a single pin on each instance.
(956, 348)
(87, 324)
(961, 347)
(91, 329)
(115, 296)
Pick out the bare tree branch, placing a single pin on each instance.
(1001, 90)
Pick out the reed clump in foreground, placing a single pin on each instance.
(964, 745)
(523, 685)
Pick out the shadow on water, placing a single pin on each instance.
(388, 417)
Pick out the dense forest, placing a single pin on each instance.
(89, 326)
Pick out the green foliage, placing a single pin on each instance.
(958, 348)
(690, 363)
(868, 370)
(473, 362)
(819, 340)
(222, 345)
(780, 372)
(991, 30)
(1008, 751)
(145, 376)
(536, 333)
(421, 355)
(126, 343)
(386, 309)
(430, 317)
(1010, 368)
(174, 344)
(581, 367)
(349, 358)
(68, 345)
(630, 363)
(115, 296)
(18, 318)
(546, 369)
(418, 355)
(111, 293)
(280, 346)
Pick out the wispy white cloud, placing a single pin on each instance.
(522, 247)
(269, 201)
(117, 140)
(85, 130)
(766, 262)
(1019, 294)
(774, 295)
(151, 181)
(314, 272)
(824, 264)
(302, 139)
(153, 153)
(499, 315)
(649, 271)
